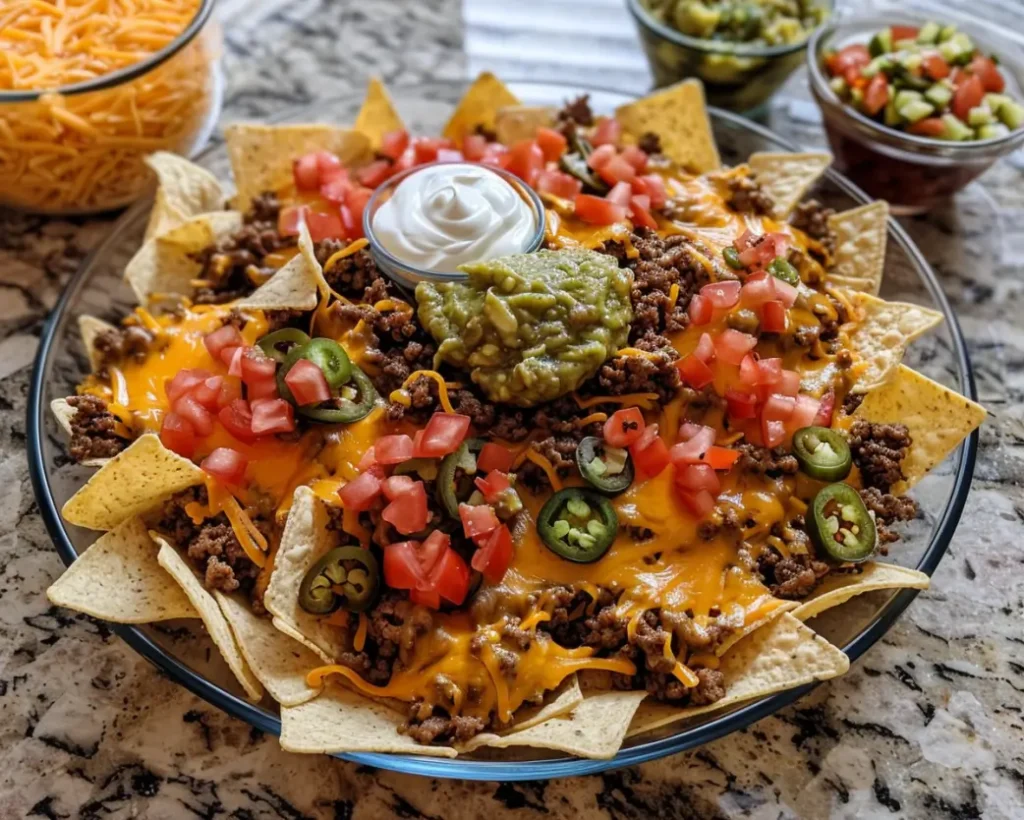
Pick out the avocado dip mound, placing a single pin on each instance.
(530, 327)
(772, 22)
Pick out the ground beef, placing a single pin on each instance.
(443, 729)
(761, 460)
(650, 143)
(264, 209)
(640, 374)
(560, 450)
(888, 509)
(878, 450)
(355, 276)
(792, 578)
(120, 343)
(812, 217)
(577, 111)
(746, 196)
(851, 402)
(92, 429)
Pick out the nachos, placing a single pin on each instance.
(559, 497)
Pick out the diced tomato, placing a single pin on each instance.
(757, 290)
(700, 503)
(324, 225)
(598, 211)
(493, 485)
(402, 568)
(184, 381)
(968, 94)
(232, 357)
(854, 57)
(828, 403)
(306, 172)
(928, 127)
(788, 383)
(642, 200)
(431, 549)
(208, 391)
(230, 390)
(359, 495)
(705, 349)
(695, 372)
(426, 148)
(620, 194)
(599, 156)
(636, 157)
(721, 458)
(496, 155)
(722, 295)
(741, 405)
(904, 33)
(223, 337)
(624, 427)
(494, 457)
(527, 161)
(769, 371)
(776, 412)
(732, 345)
(477, 520)
(697, 477)
(494, 556)
(289, 219)
(876, 95)
(375, 173)
(649, 452)
(552, 143)
(266, 389)
(427, 598)
(195, 414)
(750, 373)
(617, 170)
(271, 416)
(785, 292)
(450, 577)
(693, 448)
(336, 187)
(393, 449)
(408, 511)
(442, 435)
(700, 310)
(307, 383)
(934, 66)
(367, 459)
(559, 184)
(985, 69)
(226, 465)
(236, 418)
(608, 132)
(352, 212)
(256, 366)
(474, 146)
(640, 213)
(746, 240)
(654, 187)
(177, 434)
(804, 413)
(760, 252)
(394, 143)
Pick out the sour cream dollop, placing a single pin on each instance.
(447, 215)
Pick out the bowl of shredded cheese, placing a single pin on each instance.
(89, 88)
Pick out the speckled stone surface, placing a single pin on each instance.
(930, 723)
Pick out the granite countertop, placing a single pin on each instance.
(929, 723)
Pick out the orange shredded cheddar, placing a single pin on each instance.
(348, 250)
(644, 401)
(547, 467)
(685, 675)
(401, 396)
(534, 619)
(359, 641)
(593, 418)
(442, 387)
(635, 351)
(337, 618)
(251, 539)
(120, 385)
(673, 297)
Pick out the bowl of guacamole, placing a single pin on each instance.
(742, 50)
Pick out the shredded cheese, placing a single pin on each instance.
(120, 386)
(401, 396)
(534, 619)
(642, 400)
(251, 539)
(593, 418)
(685, 675)
(348, 250)
(85, 151)
(547, 467)
(635, 351)
(359, 641)
(673, 297)
(337, 618)
(442, 387)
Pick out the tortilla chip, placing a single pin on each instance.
(213, 618)
(342, 721)
(118, 579)
(293, 287)
(882, 338)
(479, 106)
(856, 284)
(164, 264)
(838, 588)
(679, 116)
(261, 155)
(520, 122)
(783, 655)
(304, 540)
(787, 177)
(136, 480)
(378, 116)
(938, 419)
(64, 412)
(860, 246)
(89, 327)
(753, 626)
(184, 190)
(279, 662)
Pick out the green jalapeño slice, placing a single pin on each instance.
(607, 469)
(823, 453)
(346, 577)
(841, 526)
(578, 525)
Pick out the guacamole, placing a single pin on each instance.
(770, 22)
(531, 327)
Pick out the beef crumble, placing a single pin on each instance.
(746, 196)
(649, 143)
(117, 344)
(794, 577)
(760, 460)
(92, 429)
(642, 374)
(878, 450)
(888, 509)
(812, 217)
(577, 111)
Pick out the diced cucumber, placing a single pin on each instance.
(979, 116)
(995, 102)
(857, 97)
(911, 61)
(992, 131)
(881, 43)
(907, 96)
(939, 95)
(965, 48)
(954, 129)
(947, 33)
(882, 63)
(839, 86)
(891, 117)
(904, 45)
(915, 110)
(1012, 114)
(929, 33)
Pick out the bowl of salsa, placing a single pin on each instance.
(916, 108)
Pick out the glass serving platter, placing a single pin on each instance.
(182, 651)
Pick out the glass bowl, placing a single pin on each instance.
(79, 149)
(408, 275)
(184, 653)
(913, 173)
(736, 76)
